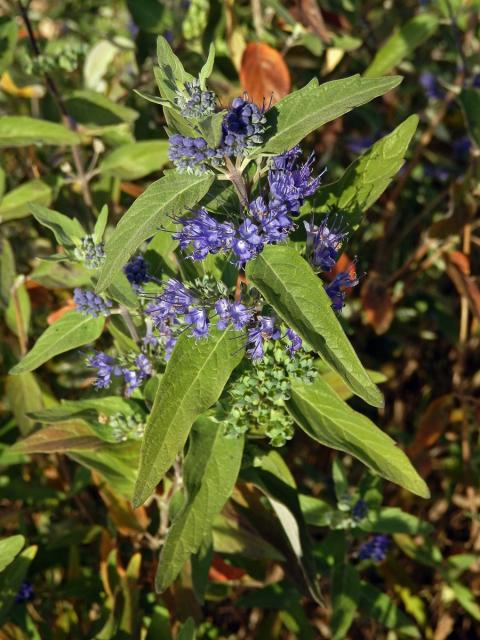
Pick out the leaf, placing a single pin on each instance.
(100, 225)
(365, 179)
(19, 310)
(377, 303)
(11, 579)
(264, 74)
(24, 396)
(97, 62)
(394, 520)
(379, 606)
(274, 479)
(9, 548)
(467, 599)
(288, 283)
(62, 437)
(211, 128)
(210, 472)
(329, 420)
(206, 70)
(8, 39)
(16, 203)
(193, 381)
(22, 131)
(402, 43)
(304, 111)
(148, 14)
(187, 632)
(66, 230)
(7, 272)
(71, 331)
(170, 72)
(92, 108)
(345, 588)
(116, 463)
(166, 197)
(89, 407)
(469, 99)
(136, 160)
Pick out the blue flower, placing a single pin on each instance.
(192, 155)
(336, 288)
(198, 319)
(222, 308)
(295, 342)
(290, 183)
(174, 300)
(248, 243)
(240, 315)
(243, 127)
(136, 271)
(375, 549)
(323, 243)
(89, 303)
(265, 329)
(106, 368)
(204, 234)
(25, 592)
(360, 510)
(430, 85)
(195, 102)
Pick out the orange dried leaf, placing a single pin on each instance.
(220, 571)
(56, 315)
(264, 74)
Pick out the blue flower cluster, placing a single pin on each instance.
(194, 102)
(360, 510)
(89, 303)
(108, 368)
(136, 271)
(192, 155)
(93, 254)
(243, 127)
(178, 308)
(375, 549)
(336, 288)
(268, 218)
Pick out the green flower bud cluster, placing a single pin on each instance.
(257, 398)
(126, 427)
(91, 253)
(64, 57)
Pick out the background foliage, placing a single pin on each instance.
(78, 561)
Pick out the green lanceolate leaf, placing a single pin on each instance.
(288, 283)
(69, 332)
(7, 272)
(206, 70)
(66, 230)
(470, 102)
(402, 43)
(24, 396)
(210, 472)
(9, 549)
(326, 418)
(187, 632)
(136, 160)
(168, 196)
(16, 203)
(193, 381)
(170, 72)
(300, 113)
(100, 225)
(365, 179)
(21, 131)
(274, 479)
(211, 128)
(345, 588)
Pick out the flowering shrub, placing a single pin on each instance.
(226, 337)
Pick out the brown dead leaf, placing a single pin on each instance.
(458, 270)
(132, 189)
(264, 74)
(128, 521)
(432, 425)
(312, 17)
(377, 303)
